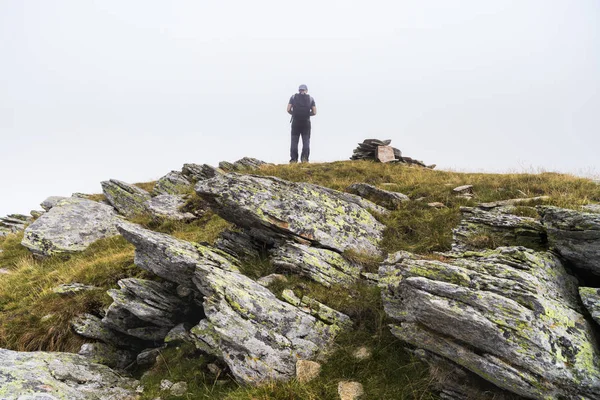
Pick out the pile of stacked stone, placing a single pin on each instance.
(368, 150)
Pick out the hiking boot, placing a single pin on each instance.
(293, 161)
(305, 160)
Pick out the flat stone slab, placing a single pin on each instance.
(385, 154)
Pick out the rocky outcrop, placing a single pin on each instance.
(259, 336)
(70, 226)
(480, 228)
(321, 265)
(13, 223)
(387, 199)
(127, 199)
(42, 375)
(195, 172)
(574, 235)
(299, 211)
(240, 244)
(510, 316)
(172, 183)
(168, 206)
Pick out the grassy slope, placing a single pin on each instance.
(32, 317)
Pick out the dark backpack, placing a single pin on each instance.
(301, 106)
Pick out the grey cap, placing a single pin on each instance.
(303, 87)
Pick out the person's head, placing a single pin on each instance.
(303, 89)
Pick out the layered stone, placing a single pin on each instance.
(510, 316)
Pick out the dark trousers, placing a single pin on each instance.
(300, 128)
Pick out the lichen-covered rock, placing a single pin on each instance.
(64, 376)
(509, 315)
(385, 198)
(324, 266)
(259, 336)
(247, 164)
(300, 211)
(168, 206)
(195, 172)
(592, 208)
(70, 226)
(575, 235)
(172, 183)
(107, 354)
(145, 309)
(479, 229)
(591, 300)
(125, 198)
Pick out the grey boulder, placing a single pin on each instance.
(510, 315)
(575, 235)
(127, 199)
(45, 375)
(196, 172)
(70, 226)
(299, 211)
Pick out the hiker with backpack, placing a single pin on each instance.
(301, 106)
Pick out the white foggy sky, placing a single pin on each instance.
(93, 90)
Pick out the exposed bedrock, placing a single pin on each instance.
(303, 212)
(127, 199)
(511, 316)
(259, 336)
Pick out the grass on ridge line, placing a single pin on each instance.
(33, 317)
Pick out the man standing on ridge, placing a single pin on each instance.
(301, 106)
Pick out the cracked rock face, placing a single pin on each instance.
(127, 199)
(324, 266)
(480, 228)
(71, 225)
(510, 315)
(259, 336)
(575, 235)
(303, 212)
(45, 375)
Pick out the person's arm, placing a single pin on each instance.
(289, 109)
(313, 110)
